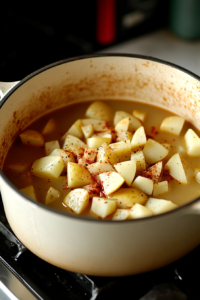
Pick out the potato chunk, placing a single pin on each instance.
(160, 188)
(96, 142)
(48, 167)
(139, 138)
(127, 170)
(76, 129)
(139, 114)
(98, 125)
(154, 152)
(111, 181)
(173, 124)
(52, 195)
(175, 168)
(122, 125)
(65, 155)
(99, 110)
(29, 191)
(103, 207)
(159, 206)
(77, 200)
(123, 136)
(74, 145)
(77, 175)
(18, 167)
(154, 172)
(138, 156)
(49, 127)
(50, 146)
(134, 123)
(127, 197)
(192, 143)
(88, 130)
(122, 150)
(139, 211)
(100, 167)
(143, 184)
(106, 154)
(120, 214)
(32, 138)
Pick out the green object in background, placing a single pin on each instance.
(184, 18)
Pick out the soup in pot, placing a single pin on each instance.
(110, 160)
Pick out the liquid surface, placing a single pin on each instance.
(178, 193)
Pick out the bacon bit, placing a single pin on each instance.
(154, 131)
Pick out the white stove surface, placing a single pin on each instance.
(163, 44)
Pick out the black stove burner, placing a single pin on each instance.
(178, 281)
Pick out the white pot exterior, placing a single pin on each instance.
(94, 247)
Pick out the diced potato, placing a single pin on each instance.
(160, 188)
(103, 134)
(77, 200)
(122, 125)
(111, 181)
(74, 145)
(127, 170)
(98, 125)
(139, 114)
(103, 207)
(143, 184)
(154, 172)
(76, 129)
(29, 191)
(59, 183)
(100, 167)
(120, 214)
(173, 124)
(127, 197)
(90, 155)
(88, 130)
(83, 162)
(106, 154)
(159, 206)
(192, 143)
(175, 168)
(122, 150)
(139, 138)
(100, 110)
(197, 177)
(50, 146)
(123, 136)
(139, 211)
(138, 156)
(154, 152)
(134, 123)
(52, 195)
(32, 138)
(48, 167)
(65, 155)
(96, 142)
(49, 127)
(77, 175)
(93, 189)
(18, 167)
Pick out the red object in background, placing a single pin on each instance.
(106, 21)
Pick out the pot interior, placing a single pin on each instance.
(98, 77)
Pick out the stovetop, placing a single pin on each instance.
(25, 276)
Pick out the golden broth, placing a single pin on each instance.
(178, 193)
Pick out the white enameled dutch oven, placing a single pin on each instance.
(95, 247)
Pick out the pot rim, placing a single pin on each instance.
(52, 65)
